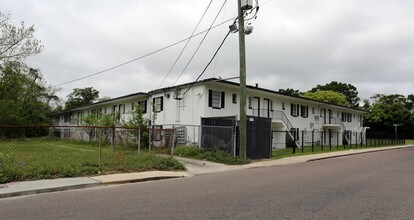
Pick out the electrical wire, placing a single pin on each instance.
(143, 56)
(185, 46)
(149, 54)
(201, 42)
(208, 64)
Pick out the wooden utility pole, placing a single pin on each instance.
(242, 53)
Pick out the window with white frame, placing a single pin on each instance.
(122, 109)
(234, 98)
(304, 111)
(216, 99)
(250, 102)
(294, 110)
(158, 104)
(143, 105)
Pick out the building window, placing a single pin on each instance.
(104, 109)
(234, 98)
(337, 114)
(313, 110)
(158, 104)
(216, 99)
(143, 105)
(132, 106)
(283, 106)
(304, 111)
(114, 108)
(122, 109)
(250, 102)
(349, 117)
(271, 105)
(294, 110)
(346, 117)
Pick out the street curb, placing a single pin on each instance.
(356, 153)
(120, 178)
(47, 190)
(140, 180)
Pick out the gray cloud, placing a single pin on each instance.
(296, 44)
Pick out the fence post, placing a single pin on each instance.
(113, 138)
(139, 142)
(172, 142)
(100, 148)
(343, 137)
(337, 140)
(294, 142)
(330, 139)
(322, 139)
(356, 139)
(313, 133)
(149, 139)
(303, 133)
(350, 140)
(233, 131)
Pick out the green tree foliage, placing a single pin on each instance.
(290, 91)
(350, 91)
(328, 97)
(21, 96)
(16, 43)
(136, 120)
(81, 96)
(385, 110)
(106, 120)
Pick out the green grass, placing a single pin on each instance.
(214, 156)
(409, 141)
(288, 152)
(43, 158)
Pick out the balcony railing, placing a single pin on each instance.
(332, 120)
(274, 114)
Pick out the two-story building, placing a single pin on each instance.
(186, 104)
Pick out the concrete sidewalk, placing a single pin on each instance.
(194, 167)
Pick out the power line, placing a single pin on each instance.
(201, 42)
(149, 54)
(143, 56)
(176, 60)
(208, 64)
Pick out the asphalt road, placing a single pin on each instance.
(376, 185)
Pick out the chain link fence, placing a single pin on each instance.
(31, 152)
(34, 152)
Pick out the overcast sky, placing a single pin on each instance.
(295, 43)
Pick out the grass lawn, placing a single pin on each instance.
(210, 155)
(409, 141)
(288, 152)
(42, 158)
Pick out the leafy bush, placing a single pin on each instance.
(217, 156)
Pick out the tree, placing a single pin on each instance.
(386, 110)
(80, 97)
(16, 43)
(327, 96)
(289, 91)
(350, 91)
(21, 99)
